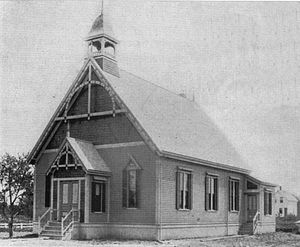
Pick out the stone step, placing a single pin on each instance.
(58, 228)
(50, 236)
(47, 231)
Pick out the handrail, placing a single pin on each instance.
(256, 220)
(70, 216)
(44, 216)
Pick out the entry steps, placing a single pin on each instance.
(246, 229)
(52, 230)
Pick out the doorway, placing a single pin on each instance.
(69, 197)
(251, 206)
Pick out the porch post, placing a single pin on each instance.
(58, 200)
(87, 199)
(79, 197)
(51, 206)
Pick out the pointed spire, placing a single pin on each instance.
(102, 27)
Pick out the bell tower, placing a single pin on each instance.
(102, 44)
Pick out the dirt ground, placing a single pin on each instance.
(265, 240)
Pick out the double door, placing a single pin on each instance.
(69, 197)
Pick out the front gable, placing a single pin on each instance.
(94, 113)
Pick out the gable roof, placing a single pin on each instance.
(287, 195)
(87, 154)
(178, 127)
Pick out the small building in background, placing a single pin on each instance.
(285, 203)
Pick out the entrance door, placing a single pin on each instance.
(251, 206)
(68, 197)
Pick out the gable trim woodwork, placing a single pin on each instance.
(120, 145)
(77, 85)
(131, 117)
(50, 124)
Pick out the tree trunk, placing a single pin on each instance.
(10, 228)
(10, 225)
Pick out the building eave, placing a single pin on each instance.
(31, 157)
(262, 182)
(204, 162)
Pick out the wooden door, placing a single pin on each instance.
(251, 206)
(69, 197)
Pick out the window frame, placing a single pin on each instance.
(132, 165)
(211, 195)
(268, 202)
(184, 189)
(101, 207)
(234, 195)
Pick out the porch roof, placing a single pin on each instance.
(88, 155)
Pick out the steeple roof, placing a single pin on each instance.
(101, 27)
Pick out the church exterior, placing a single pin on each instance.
(124, 158)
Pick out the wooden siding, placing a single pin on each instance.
(198, 214)
(98, 130)
(39, 183)
(117, 159)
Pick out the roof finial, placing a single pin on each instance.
(102, 8)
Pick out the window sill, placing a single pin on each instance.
(132, 208)
(268, 215)
(234, 212)
(98, 212)
(212, 211)
(183, 210)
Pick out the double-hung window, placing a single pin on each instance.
(211, 192)
(234, 198)
(267, 202)
(184, 189)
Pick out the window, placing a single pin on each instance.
(184, 190)
(98, 196)
(211, 193)
(75, 193)
(280, 212)
(267, 203)
(281, 199)
(234, 200)
(65, 193)
(131, 175)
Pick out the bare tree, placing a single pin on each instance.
(16, 184)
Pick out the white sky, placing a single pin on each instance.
(240, 59)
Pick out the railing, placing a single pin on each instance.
(68, 221)
(256, 220)
(46, 217)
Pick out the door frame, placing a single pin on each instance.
(80, 180)
(256, 194)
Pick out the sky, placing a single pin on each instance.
(239, 60)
